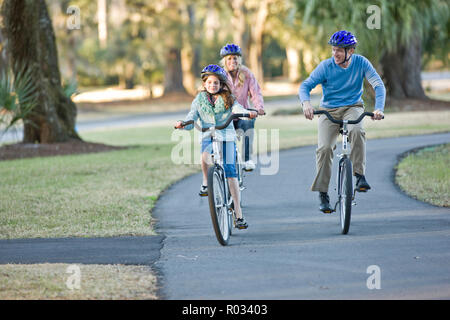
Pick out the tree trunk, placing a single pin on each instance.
(31, 44)
(402, 71)
(293, 60)
(255, 52)
(173, 78)
(102, 23)
(239, 23)
(3, 52)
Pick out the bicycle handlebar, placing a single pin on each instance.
(341, 122)
(230, 118)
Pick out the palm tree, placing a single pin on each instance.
(31, 45)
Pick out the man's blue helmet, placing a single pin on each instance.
(343, 39)
(230, 49)
(214, 69)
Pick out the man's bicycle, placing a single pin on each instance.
(221, 204)
(346, 195)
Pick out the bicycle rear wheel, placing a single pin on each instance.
(345, 193)
(217, 204)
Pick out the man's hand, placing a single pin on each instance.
(378, 115)
(308, 110)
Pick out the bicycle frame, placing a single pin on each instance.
(222, 221)
(346, 193)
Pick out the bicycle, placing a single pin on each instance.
(220, 202)
(346, 194)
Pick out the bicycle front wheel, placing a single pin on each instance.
(218, 204)
(345, 193)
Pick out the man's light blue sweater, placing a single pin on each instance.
(343, 87)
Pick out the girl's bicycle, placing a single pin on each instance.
(221, 204)
(346, 195)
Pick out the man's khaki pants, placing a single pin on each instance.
(327, 138)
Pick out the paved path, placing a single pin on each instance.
(293, 251)
(115, 250)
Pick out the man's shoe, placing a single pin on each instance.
(325, 203)
(249, 165)
(241, 223)
(361, 183)
(203, 191)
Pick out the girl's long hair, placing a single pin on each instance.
(224, 92)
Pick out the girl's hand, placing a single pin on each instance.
(179, 125)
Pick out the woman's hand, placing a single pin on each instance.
(253, 114)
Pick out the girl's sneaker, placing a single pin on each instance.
(203, 191)
(241, 223)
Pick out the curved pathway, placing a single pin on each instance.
(397, 247)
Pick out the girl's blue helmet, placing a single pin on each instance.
(343, 39)
(214, 69)
(230, 49)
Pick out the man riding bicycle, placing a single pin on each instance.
(341, 77)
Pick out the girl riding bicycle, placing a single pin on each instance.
(213, 105)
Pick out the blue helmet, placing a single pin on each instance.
(214, 69)
(343, 39)
(230, 49)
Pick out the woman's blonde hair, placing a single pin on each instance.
(241, 74)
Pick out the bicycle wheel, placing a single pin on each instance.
(217, 204)
(345, 193)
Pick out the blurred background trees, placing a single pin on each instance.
(166, 42)
(127, 43)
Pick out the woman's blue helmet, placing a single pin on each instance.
(214, 69)
(343, 39)
(230, 49)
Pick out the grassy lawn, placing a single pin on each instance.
(113, 193)
(425, 175)
(56, 282)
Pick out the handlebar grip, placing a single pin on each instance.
(340, 122)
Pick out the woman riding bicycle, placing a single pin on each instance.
(341, 77)
(243, 85)
(213, 105)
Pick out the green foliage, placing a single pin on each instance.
(400, 21)
(17, 96)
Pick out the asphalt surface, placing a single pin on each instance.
(114, 250)
(397, 247)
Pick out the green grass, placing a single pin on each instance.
(425, 175)
(49, 281)
(103, 194)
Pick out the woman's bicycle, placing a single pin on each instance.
(221, 204)
(346, 195)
